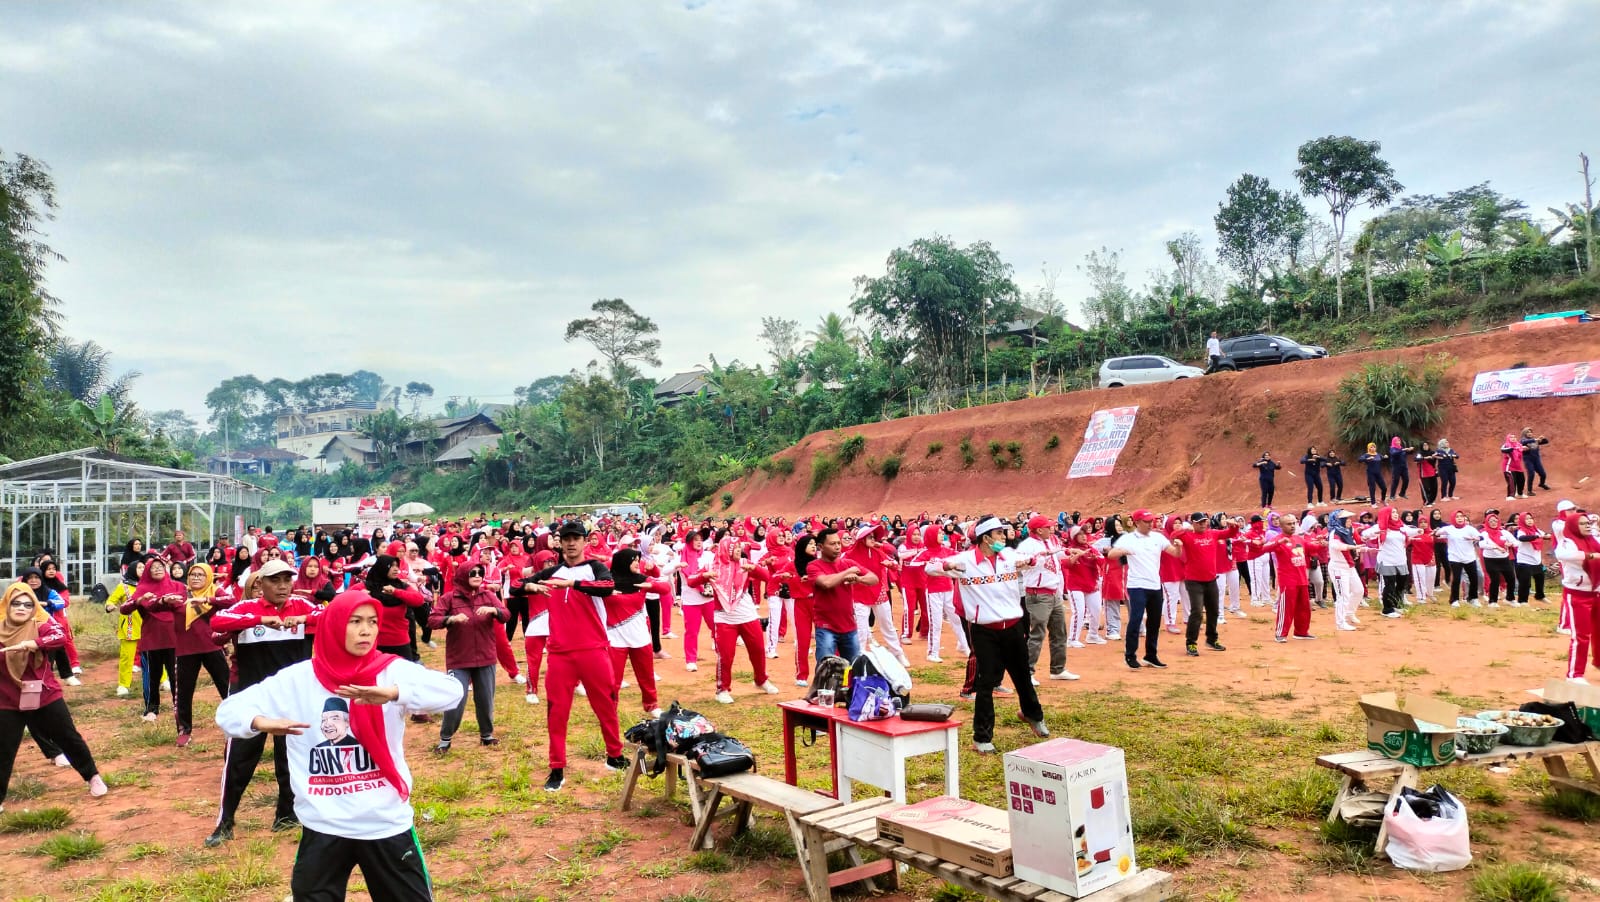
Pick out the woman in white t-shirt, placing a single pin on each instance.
(1461, 552)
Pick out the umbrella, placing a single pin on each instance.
(413, 509)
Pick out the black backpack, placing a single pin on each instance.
(828, 675)
(1572, 729)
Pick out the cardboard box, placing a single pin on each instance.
(1071, 830)
(1418, 730)
(1586, 698)
(955, 830)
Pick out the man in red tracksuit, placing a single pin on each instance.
(579, 649)
(1292, 554)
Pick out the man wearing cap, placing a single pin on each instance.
(1143, 548)
(579, 649)
(1041, 590)
(1558, 528)
(987, 577)
(269, 634)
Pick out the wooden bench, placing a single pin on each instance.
(856, 824)
(1361, 766)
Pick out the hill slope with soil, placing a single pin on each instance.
(1193, 442)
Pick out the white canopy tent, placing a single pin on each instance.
(86, 504)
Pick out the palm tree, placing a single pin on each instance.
(834, 328)
(82, 371)
(111, 426)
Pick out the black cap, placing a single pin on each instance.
(335, 704)
(1197, 516)
(571, 528)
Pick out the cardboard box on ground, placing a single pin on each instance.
(1417, 730)
(955, 830)
(1070, 825)
(1586, 698)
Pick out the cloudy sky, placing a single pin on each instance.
(430, 190)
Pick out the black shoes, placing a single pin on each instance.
(1193, 650)
(1155, 662)
(619, 762)
(557, 779)
(1132, 662)
(443, 748)
(1216, 646)
(287, 822)
(490, 740)
(222, 834)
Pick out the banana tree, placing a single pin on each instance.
(112, 428)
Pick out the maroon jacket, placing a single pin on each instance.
(469, 644)
(51, 636)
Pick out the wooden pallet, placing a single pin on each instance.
(856, 825)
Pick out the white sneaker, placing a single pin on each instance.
(1096, 639)
(1563, 631)
(1346, 627)
(432, 644)
(1076, 644)
(165, 686)
(77, 670)
(1393, 615)
(935, 659)
(1475, 603)
(772, 654)
(725, 698)
(1113, 636)
(149, 718)
(520, 679)
(61, 761)
(769, 688)
(122, 691)
(138, 669)
(655, 712)
(1579, 680)
(582, 691)
(623, 685)
(1035, 680)
(802, 684)
(669, 635)
(1064, 675)
(532, 697)
(1493, 604)
(74, 681)
(691, 667)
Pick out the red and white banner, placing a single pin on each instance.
(1108, 431)
(1560, 381)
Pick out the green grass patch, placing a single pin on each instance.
(38, 820)
(1406, 670)
(851, 448)
(1345, 849)
(824, 467)
(1572, 805)
(70, 847)
(949, 892)
(1053, 442)
(1515, 883)
(762, 842)
(606, 842)
(710, 861)
(25, 789)
(144, 850)
(935, 448)
(450, 788)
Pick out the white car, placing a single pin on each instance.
(1138, 370)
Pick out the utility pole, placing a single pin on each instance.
(1588, 211)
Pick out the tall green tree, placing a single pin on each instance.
(27, 311)
(1346, 173)
(782, 338)
(1256, 226)
(942, 299)
(621, 336)
(594, 407)
(1110, 300)
(82, 370)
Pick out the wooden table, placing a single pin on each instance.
(1361, 766)
(856, 825)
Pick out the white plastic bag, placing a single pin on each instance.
(1430, 845)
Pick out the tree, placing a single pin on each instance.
(542, 389)
(594, 406)
(942, 299)
(1256, 225)
(389, 432)
(112, 428)
(1346, 173)
(175, 425)
(82, 370)
(416, 391)
(620, 335)
(365, 385)
(27, 311)
(1110, 301)
(781, 336)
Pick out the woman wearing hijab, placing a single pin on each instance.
(66, 658)
(1266, 474)
(472, 615)
(1424, 560)
(1461, 552)
(1578, 551)
(395, 597)
(1530, 558)
(1399, 469)
(1312, 461)
(1447, 460)
(157, 598)
(1512, 468)
(628, 627)
(127, 627)
(735, 618)
(30, 697)
(1342, 572)
(698, 575)
(352, 787)
(196, 648)
(1377, 490)
(1496, 547)
(1333, 467)
(1428, 472)
(802, 596)
(132, 551)
(778, 561)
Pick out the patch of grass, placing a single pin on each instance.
(71, 847)
(935, 448)
(890, 467)
(573, 872)
(1571, 805)
(967, 455)
(994, 448)
(1272, 414)
(1515, 883)
(663, 870)
(727, 500)
(851, 448)
(783, 466)
(710, 861)
(949, 892)
(1271, 728)
(27, 788)
(1345, 848)
(1326, 732)
(39, 820)
(1553, 830)
(1188, 815)
(696, 896)
(435, 834)
(137, 779)
(824, 467)
(146, 850)
(762, 842)
(1406, 670)
(606, 842)
(451, 788)
(1053, 442)
(1249, 439)
(1307, 794)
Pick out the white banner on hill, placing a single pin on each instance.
(1559, 381)
(1107, 433)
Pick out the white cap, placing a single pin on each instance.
(1564, 506)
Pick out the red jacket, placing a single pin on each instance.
(52, 635)
(469, 644)
(577, 615)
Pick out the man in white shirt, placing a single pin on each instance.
(1143, 548)
(1213, 352)
(987, 577)
(1041, 592)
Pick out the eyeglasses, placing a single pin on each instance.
(23, 603)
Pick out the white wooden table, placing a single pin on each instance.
(875, 752)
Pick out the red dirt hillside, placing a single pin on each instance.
(1193, 442)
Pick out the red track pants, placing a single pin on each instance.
(534, 647)
(802, 639)
(592, 669)
(1295, 611)
(644, 670)
(1584, 606)
(727, 636)
(503, 652)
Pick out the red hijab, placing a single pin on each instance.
(335, 667)
(1491, 528)
(307, 585)
(1525, 521)
(158, 588)
(731, 578)
(1586, 544)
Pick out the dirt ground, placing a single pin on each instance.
(1260, 713)
(1193, 442)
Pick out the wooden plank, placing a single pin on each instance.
(771, 793)
(846, 812)
(859, 872)
(1341, 759)
(1573, 783)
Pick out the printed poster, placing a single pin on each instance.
(374, 513)
(1561, 381)
(1107, 433)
